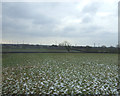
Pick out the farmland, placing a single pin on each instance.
(59, 73)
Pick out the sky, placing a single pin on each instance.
(81, 23)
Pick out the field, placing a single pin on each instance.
(32, 50)
(60, 73)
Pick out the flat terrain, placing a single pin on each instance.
(60, 73)
(32, 50)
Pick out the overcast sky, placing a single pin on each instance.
(81, 23)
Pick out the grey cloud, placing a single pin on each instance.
(38, 20)
(87, 19)
(91, 8)
(16, 10)
(80, 31)
(41, 19)
(69, 29)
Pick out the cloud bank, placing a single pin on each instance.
(81, 23)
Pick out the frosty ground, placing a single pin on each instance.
(60, 73)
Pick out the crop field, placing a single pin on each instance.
(60, 73)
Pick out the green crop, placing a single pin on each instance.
(63, 73)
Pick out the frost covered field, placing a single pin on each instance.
(63, 73)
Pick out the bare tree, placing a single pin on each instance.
(66, 44)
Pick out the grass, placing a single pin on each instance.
(35, 50)
(63, 73)
(31, 50)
